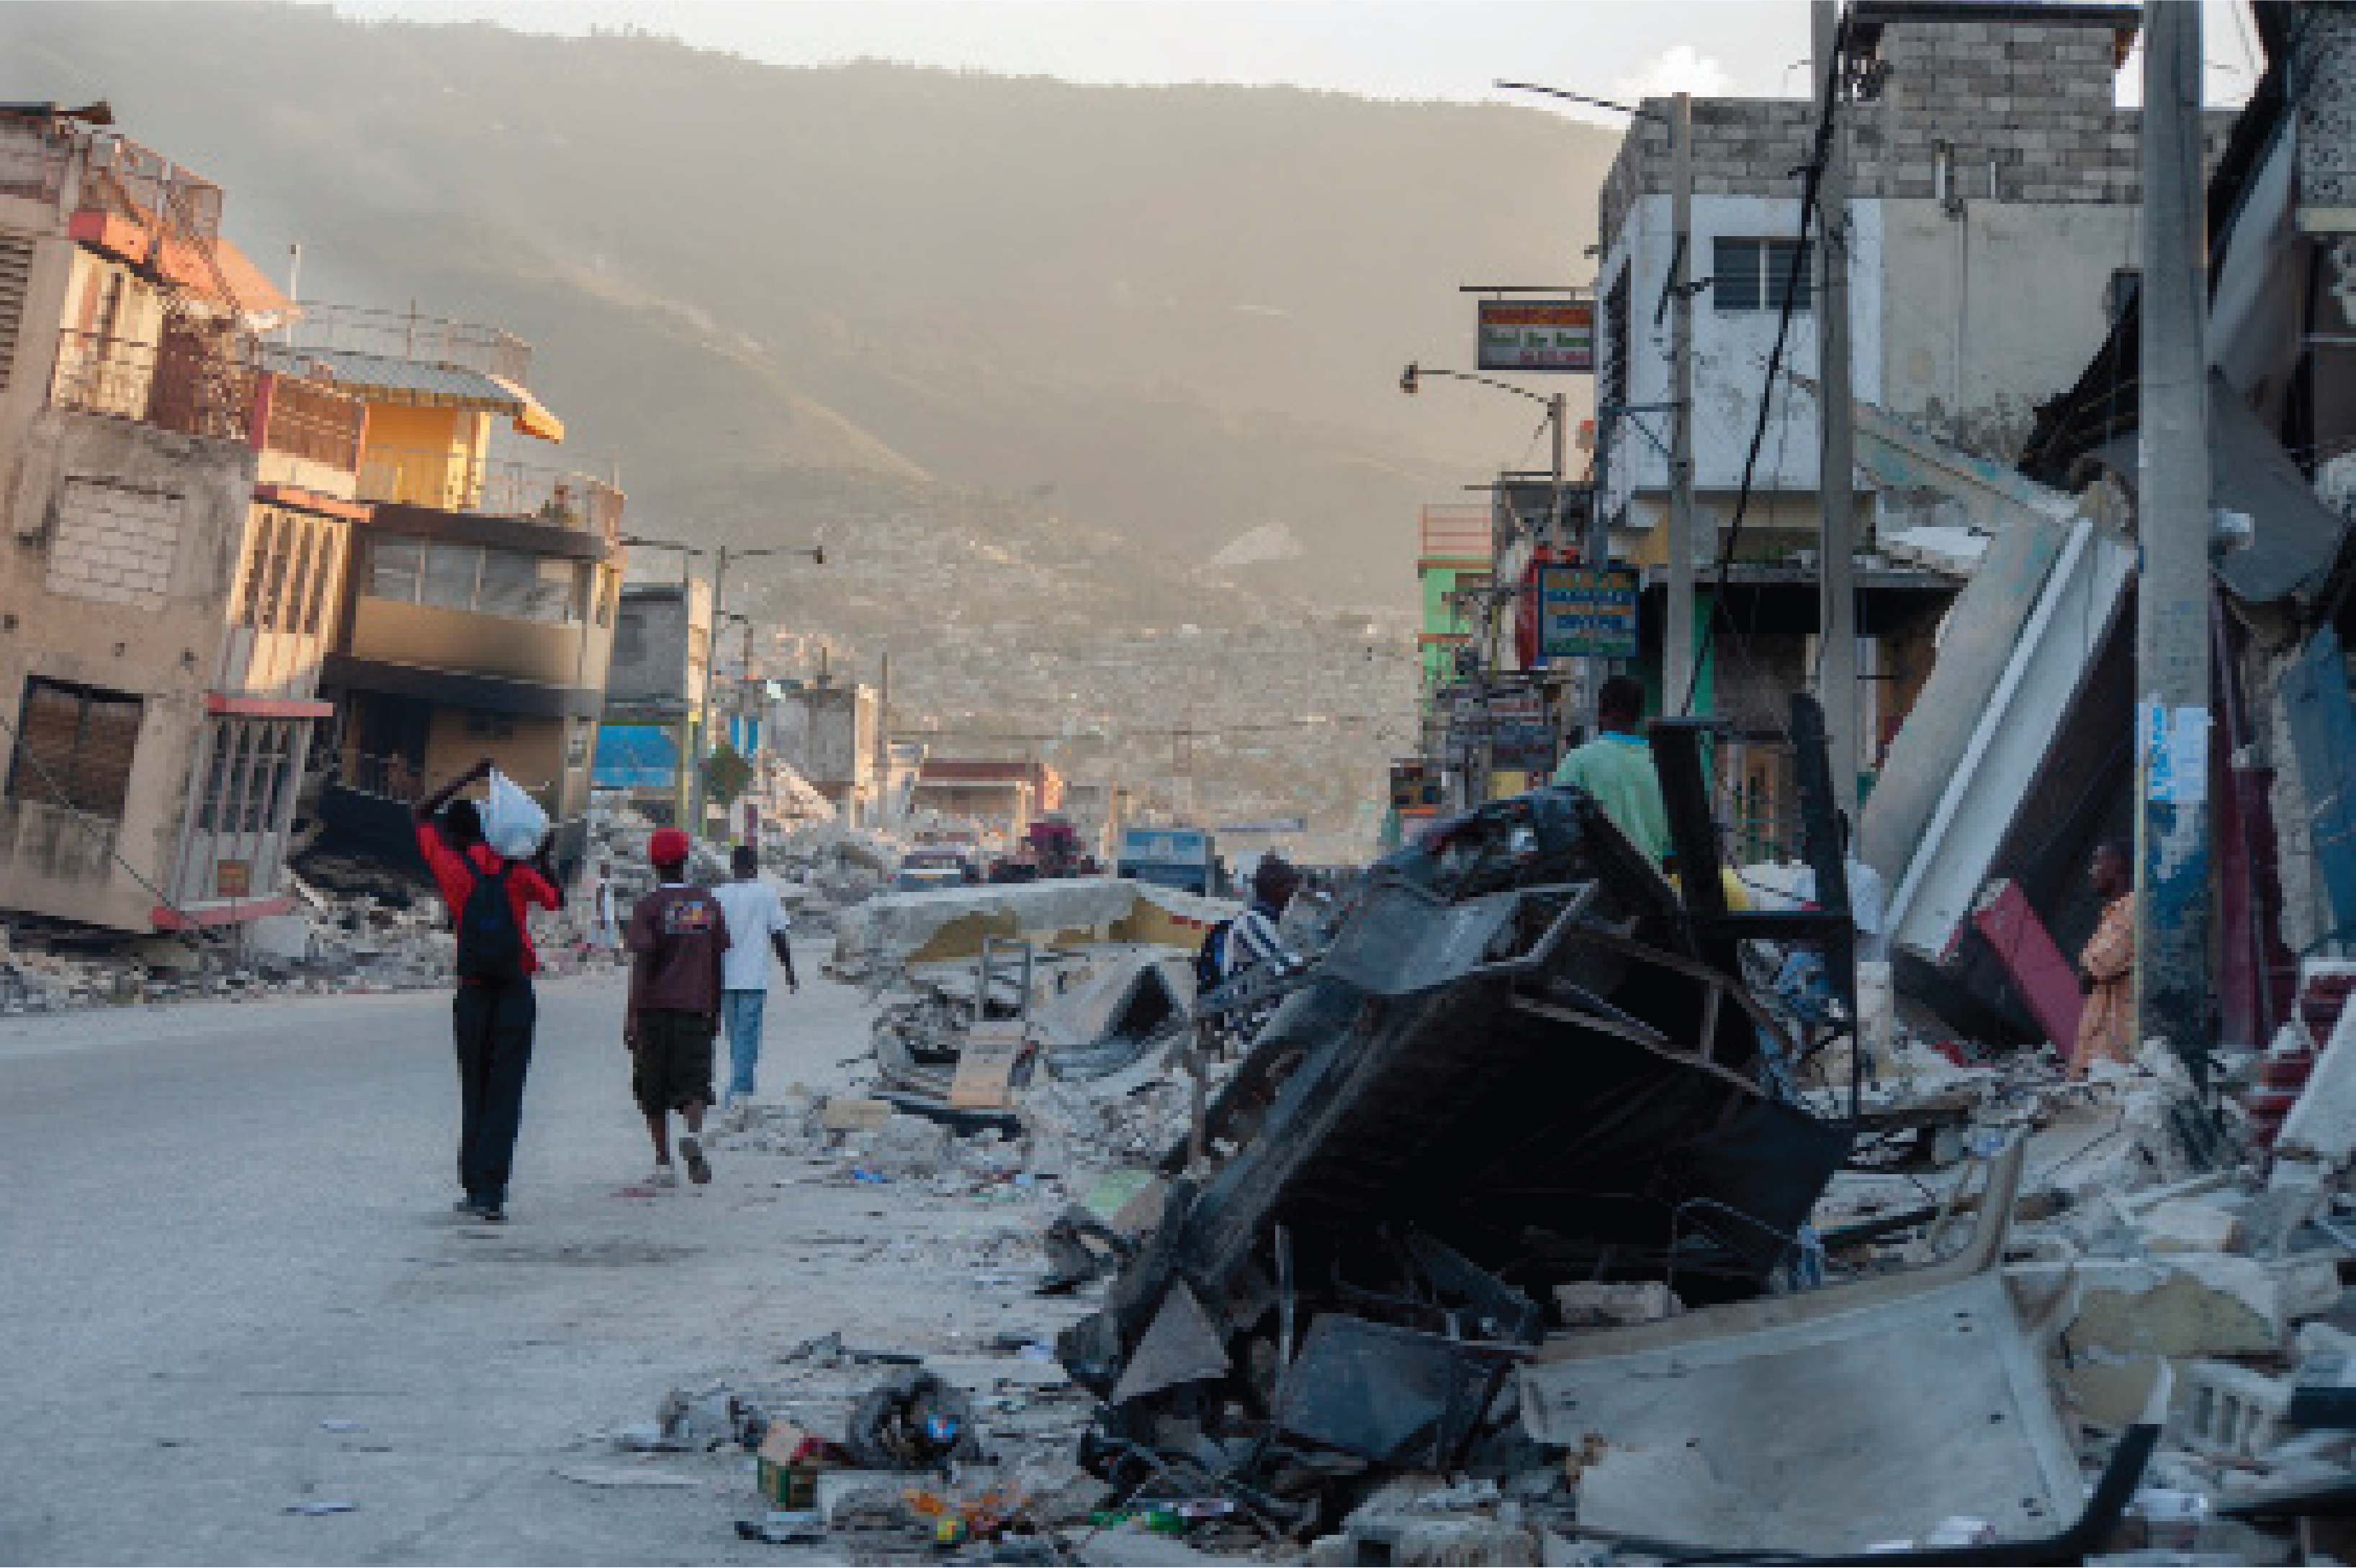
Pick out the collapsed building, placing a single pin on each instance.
(181, 515)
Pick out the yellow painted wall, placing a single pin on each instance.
(437, 453)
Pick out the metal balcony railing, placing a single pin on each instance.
(399, 335)
(499, 488)
(314, 422)
(195, 386)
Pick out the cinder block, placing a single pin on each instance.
(2190, 1225)
(2230, 1411)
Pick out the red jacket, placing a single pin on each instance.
(455, 874)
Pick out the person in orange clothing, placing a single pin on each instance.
(2106, 967)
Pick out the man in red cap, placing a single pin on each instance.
(677, 936)
(493, 1014)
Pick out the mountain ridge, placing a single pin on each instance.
(1177, 310)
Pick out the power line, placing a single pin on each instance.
(1819, 157)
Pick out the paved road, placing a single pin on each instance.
(227, 1226)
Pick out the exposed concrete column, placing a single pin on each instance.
(1835, 680)
(2172, 838)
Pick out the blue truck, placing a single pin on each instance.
(1186, 859)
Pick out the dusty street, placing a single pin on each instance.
(237, 1291)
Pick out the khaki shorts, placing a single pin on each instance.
(671, 1066)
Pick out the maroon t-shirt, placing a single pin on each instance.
(679, 934)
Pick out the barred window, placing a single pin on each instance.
(74, 747)
(1753, 274)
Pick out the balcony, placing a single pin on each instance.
(315, 422)
(188, 384)
(496, 488)
(424, 339)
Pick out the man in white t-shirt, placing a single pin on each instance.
(756, 927)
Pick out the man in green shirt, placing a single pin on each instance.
(1616, 768)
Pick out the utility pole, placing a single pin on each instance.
(703, 746)
(1677, 637)
(2172, 899)
(1835, 466)
(1595, 553)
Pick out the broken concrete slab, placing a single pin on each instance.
(2321, 1124)
(2190, 1225)
(1602, 1304)
(1856, 1388)
(2181, 1306)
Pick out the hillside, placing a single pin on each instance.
(1179, 312)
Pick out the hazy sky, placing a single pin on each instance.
(1386, 48)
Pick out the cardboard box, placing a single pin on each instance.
(788, 1464)
(985, 1070)
(849, 1113)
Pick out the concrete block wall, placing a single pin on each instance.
(115, 543)
(2036, 100)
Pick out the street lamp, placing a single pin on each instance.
(1677, 672)
(1410, 382)
(722, 556)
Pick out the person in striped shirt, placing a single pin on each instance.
(1253, 942)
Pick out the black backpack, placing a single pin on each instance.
(490, 943)
(1211, 959)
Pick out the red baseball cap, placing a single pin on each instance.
(668, 847)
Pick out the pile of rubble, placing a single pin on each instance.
(1514, 1239)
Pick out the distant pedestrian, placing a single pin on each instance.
(605, 923)
(494, 1012)
(1616, 768)
(756, 927)
(2106, 966)
(677, 937)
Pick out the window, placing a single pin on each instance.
(529, 587)
(74, 747)
(1615, 340)
(1753, 274)
(285, 544)
(314, 604)
(257, 565)
(489, 581)
(452, 572)
(393, 566)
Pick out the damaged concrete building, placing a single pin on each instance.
(654, 696)
(478, 617)
(2020, 756)
(179, 514)
(1993, 211)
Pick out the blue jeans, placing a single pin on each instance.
(740, 1011)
